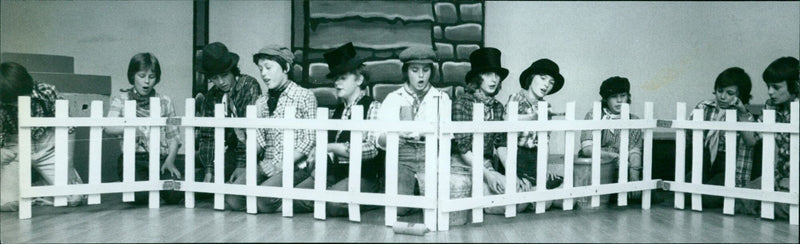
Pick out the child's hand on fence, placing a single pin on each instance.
(170, 167)
(238, 175)
(6, 156)
(495, 181)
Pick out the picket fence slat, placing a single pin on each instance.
(697, 160)
(95, 146)
(477, 162)
(189, 157)
(569, 160)
(155, 151)
(680, 154)
(731, 148)
(219, 156)
(354, 181)
(511, 159)
(624, 142)
(129, 150)
(768, 166)
(251, 166)
(596, 153)
(543, 151)
(321, 166)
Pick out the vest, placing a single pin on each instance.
(371, 168)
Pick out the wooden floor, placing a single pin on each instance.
(114, 221)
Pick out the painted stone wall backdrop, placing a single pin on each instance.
(380, 30)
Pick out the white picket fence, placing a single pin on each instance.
(436, 203)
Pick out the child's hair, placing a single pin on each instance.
(474, 84)
(285, 64)
(14, 81)
(735, 76)
(144, 62)
(405, 71)
(784, 69)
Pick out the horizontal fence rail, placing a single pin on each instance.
(436, 203)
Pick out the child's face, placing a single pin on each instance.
(419, 76)
(541, 85)
(727, 96)
(347, 85)
(144, 81)
(489, 83)
(614, 102)
(779, 93)
(272, 73)
(223, 81)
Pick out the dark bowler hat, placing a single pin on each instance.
(543, 66)
(342, 60)
(614, 85)
(486, 59)
(216, 59)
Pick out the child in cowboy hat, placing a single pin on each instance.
(235, 91)
(416, 100)
(350, 79)
(540, 79)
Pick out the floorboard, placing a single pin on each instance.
(114, 221)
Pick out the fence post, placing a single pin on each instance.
(96, 149)
(25, 145)
(219, 157)
(622, 197)
(730, 161)
(155, 151)
(680, 154)
(542, 154)
(794, 172)
(189, 110)
(511, 159)
(443, 220)
(477, 164)
(354, 177)
(288, 162)
(569, 157)
(647, 155)
(251, 165)
(596, 153)
(431, 193)
(321, 165)
(768, 166)
(129, 150)
(697, 160)
(61, 152)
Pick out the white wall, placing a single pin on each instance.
(247, 26)
(102, 36)
(671, 51)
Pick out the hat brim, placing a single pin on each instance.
(350, 65)
(502, 72)
(557, 77)
(234, 60)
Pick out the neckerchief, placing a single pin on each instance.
(142, 101)
(274, 95)
(712, 137)
(487, 102)
(417, 99)
(608, 115)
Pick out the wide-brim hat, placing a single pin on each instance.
(485, 60)
(341, 60)
(216, 59)
(544, 66)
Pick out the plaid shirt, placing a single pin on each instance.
(43, 104)
(610, 139)
(244, 91)
(493, 110)
(527, 106)
(272, 139)
(169, 133)
(782, 115)
(744, 153)
(368, 148)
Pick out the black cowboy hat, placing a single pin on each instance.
(614, 85)
(486, 59)
(342, 60)
(543, 66)
(216, 59)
